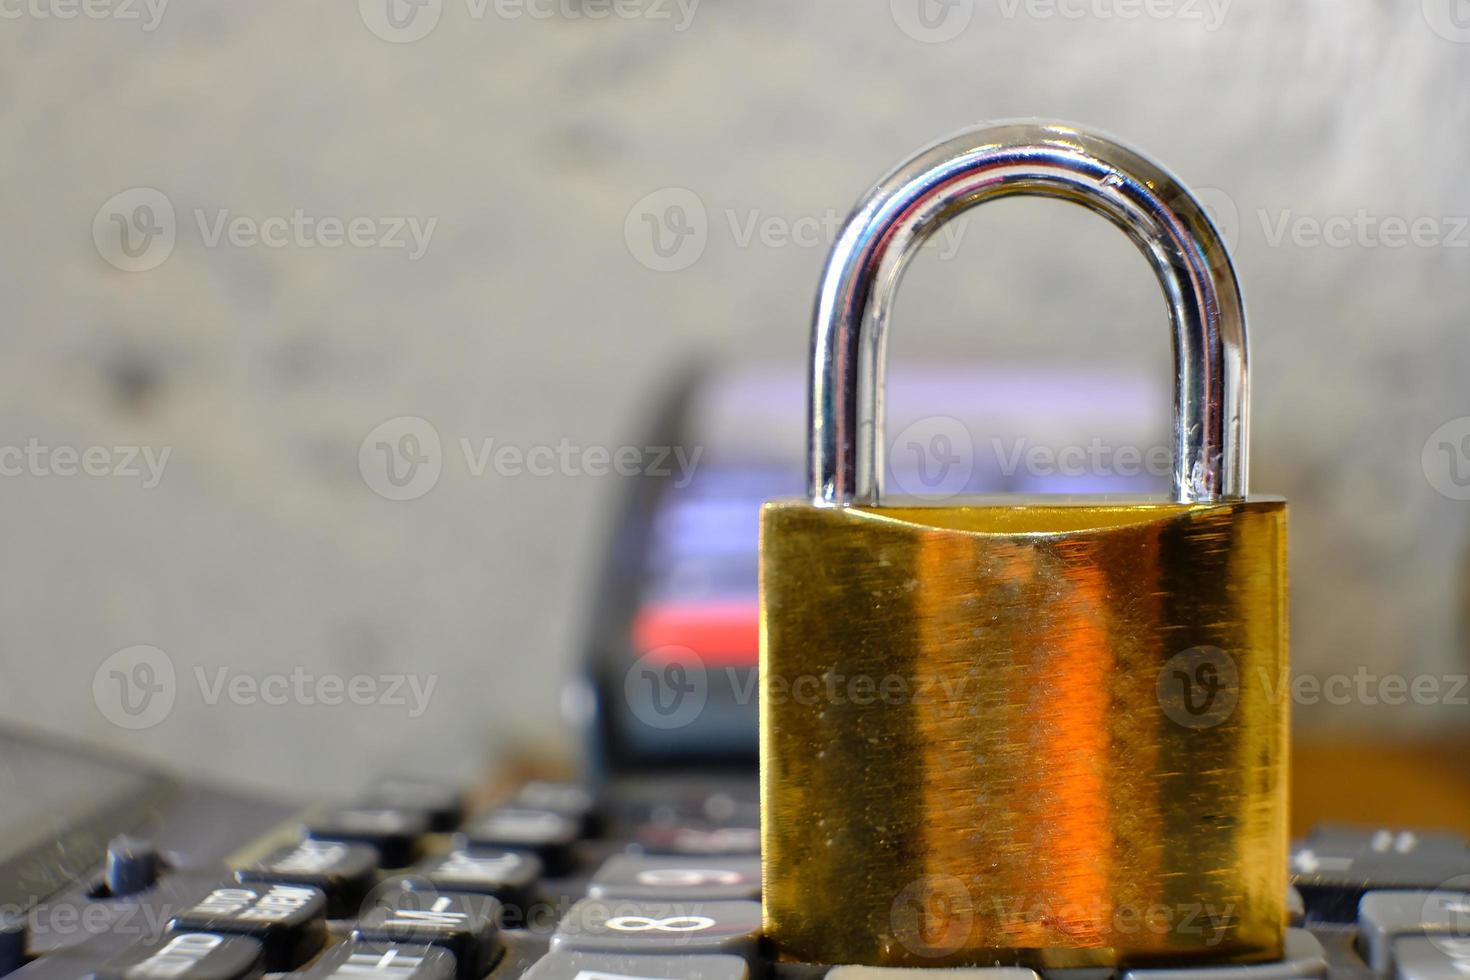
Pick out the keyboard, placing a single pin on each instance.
(659, 880)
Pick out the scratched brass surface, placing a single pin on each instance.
(977, 744)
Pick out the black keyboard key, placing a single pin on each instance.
(729, 810)
(508, 875)
(551, 836)
(711, 802)
(442, 803)
(686, 839)
(687, 928)
(674, 878)
(381, 961)
(395, 833)
(461, 923)
(1335, 866)
(187, 956)
(342, 870)
(568, 799)
(289, 920)
(608, 966)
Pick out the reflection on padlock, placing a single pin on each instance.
(1044, 731)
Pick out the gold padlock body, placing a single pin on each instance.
(1042, 733)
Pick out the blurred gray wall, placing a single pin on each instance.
(537, 136)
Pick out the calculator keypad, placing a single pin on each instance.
(557, 884)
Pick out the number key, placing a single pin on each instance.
(395, 833)
(507, 875)
(569, 799)
(692, 928)
(635, 876)
(442, 803)
(343, 871)
(709, 841)
(550, 835)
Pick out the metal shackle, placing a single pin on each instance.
(1046, 159)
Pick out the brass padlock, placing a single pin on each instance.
(1045, 731)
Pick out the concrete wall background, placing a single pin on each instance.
(535, 141)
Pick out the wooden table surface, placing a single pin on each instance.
(1407, 784)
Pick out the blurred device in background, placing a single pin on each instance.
(672, 666)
